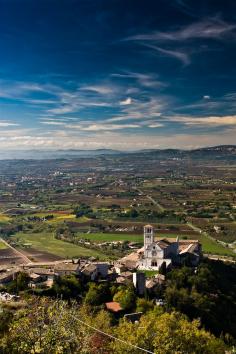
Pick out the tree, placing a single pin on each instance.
(20, 283)
(162, 269)
(46, 327)
(67, 286)
(126, 297)
(52, 327)
(97, 294)
(144, 305)
(166, 334)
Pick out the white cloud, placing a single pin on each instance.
(177, 54)
(102, 126)
(126, 102)
(206, 97)
(101, 89)
(149, 80)
(20, 139)
(155, 125)
(213, 28)
(51, 122)
(4, 124)
(205, 121)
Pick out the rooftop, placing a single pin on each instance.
(113, 306)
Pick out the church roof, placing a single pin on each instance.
(163, 243)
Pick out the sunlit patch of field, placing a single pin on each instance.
(4, 218)
(109, 237)
(57, 216)
(3, 246)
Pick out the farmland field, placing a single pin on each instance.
(4, 218)
(47, 242)
(2, 246)
(106, 237)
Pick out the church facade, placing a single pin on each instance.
(170, 251)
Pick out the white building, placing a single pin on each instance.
(157, 252)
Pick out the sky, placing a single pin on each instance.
(117, 74)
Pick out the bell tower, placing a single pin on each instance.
(148, 235)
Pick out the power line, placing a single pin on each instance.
(115, 338)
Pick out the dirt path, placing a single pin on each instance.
(160, 207)
(19, 253)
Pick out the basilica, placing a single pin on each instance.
(171, 251)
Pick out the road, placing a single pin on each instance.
(19, 253)
(160, 207)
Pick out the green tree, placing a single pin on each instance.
(20, 283)
(67, 287)
(144, 305)
(166, 334)
(97, 294)
(126, 297)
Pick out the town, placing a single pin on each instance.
(112, 237)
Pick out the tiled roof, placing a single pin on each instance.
(66, 266)
(113, 306)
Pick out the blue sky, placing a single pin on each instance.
(122, 74)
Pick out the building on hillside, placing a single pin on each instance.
(68, 268)
(156, 252)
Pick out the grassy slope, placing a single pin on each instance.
(4, 218)
(2, 246)
(47, 242)
(102, 237)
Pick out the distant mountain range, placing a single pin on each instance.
(215, 152)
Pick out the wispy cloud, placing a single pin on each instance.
(101, 89)
(4, 124)
(211, 28)
(147, 80)
(177, 54)
(206, 121)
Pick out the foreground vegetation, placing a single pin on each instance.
(198, 316)
(52, 327)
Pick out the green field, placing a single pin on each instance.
(102, 237)
(2, 246)
(47, 242)
(210, 246)
(4, 218)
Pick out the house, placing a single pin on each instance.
(65, 268)
(90, 271)
(95, 270)
(46, 274)
(8, 276)
(102, 269)
(119, 268)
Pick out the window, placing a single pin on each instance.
(154, 263)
